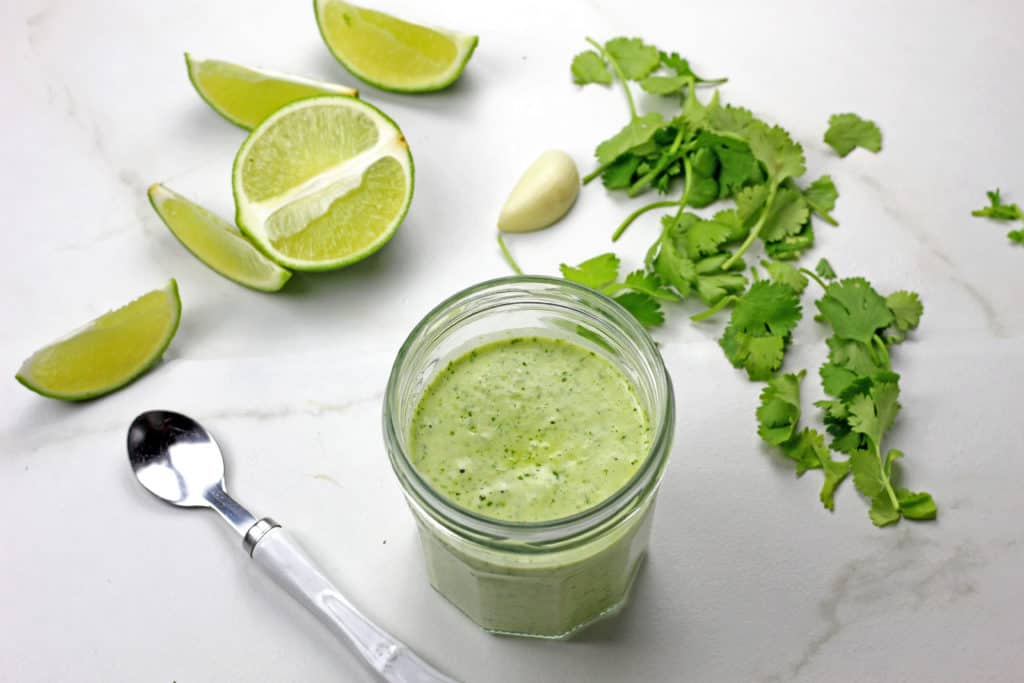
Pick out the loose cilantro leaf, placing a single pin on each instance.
(998, 210)
(634, 133)
(781, 271)
(1016, 236)
(634, 57)
(824, 270)
(643, 307)
(779, 412)
(854, 309)
(596, 273)
(846, 132)
(589, 67)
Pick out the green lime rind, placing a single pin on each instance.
(193, 66)
(24, 374)
(465, 43)
(259, 241)
(272, 278)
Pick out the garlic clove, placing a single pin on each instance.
(544, 193)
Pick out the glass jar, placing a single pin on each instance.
(543, 579)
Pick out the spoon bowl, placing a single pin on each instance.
(175, 458)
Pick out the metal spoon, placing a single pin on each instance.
(178, 461)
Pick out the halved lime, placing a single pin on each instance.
(322, 183)
(107, 353)
(390, 53)
(246, 96)
(216, 242)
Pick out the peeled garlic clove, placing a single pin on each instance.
(544, 193)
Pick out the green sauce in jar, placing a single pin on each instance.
(529, 429)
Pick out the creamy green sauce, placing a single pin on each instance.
(529, 429)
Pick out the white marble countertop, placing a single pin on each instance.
(747, 579)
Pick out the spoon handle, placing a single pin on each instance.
(290, 568)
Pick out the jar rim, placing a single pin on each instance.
(646, 477)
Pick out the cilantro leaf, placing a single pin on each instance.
(758, 331)
(682, 68)
(916, 506)
(714, 287)
(737, 169)
(704, 237)
(768, 308)
(779, 412)
(634, 57)
(821, 196)
(1016, 236)
(854, 309)
(702, 192)
(596, 273)
(619, 174)
(868, 476)
(849, 131)
(810, 452)
(589, 67)
(664, 85)
(853, 355)
(636, 132)
(782, 158)
(786, 216)
(730, 218)
(750, 201)
(906, 308)
(759, 356)
(649, 284)
(781, 271)
(998, 210)
(791, 246)
(643, 307)
(874, 414)
(824, 270)
(883, 512)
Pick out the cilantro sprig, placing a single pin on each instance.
(863, 403)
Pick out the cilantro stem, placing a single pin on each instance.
(639, 212)
(597, 172)
(722, 303)
(618, 72)
(755, 230)
(814, 276)
(879, 343)
(662, 164)
(508, 256)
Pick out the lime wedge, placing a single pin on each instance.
(246, 96)
(109, 352)
(216, 242)
(390, 53)
(322, 183)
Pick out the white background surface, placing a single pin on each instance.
(748, 578)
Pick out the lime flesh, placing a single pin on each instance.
(246, 96)
(391, 53)
(322, 183)
(107, 353)
(216, 242)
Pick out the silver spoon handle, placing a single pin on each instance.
(289, 567)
